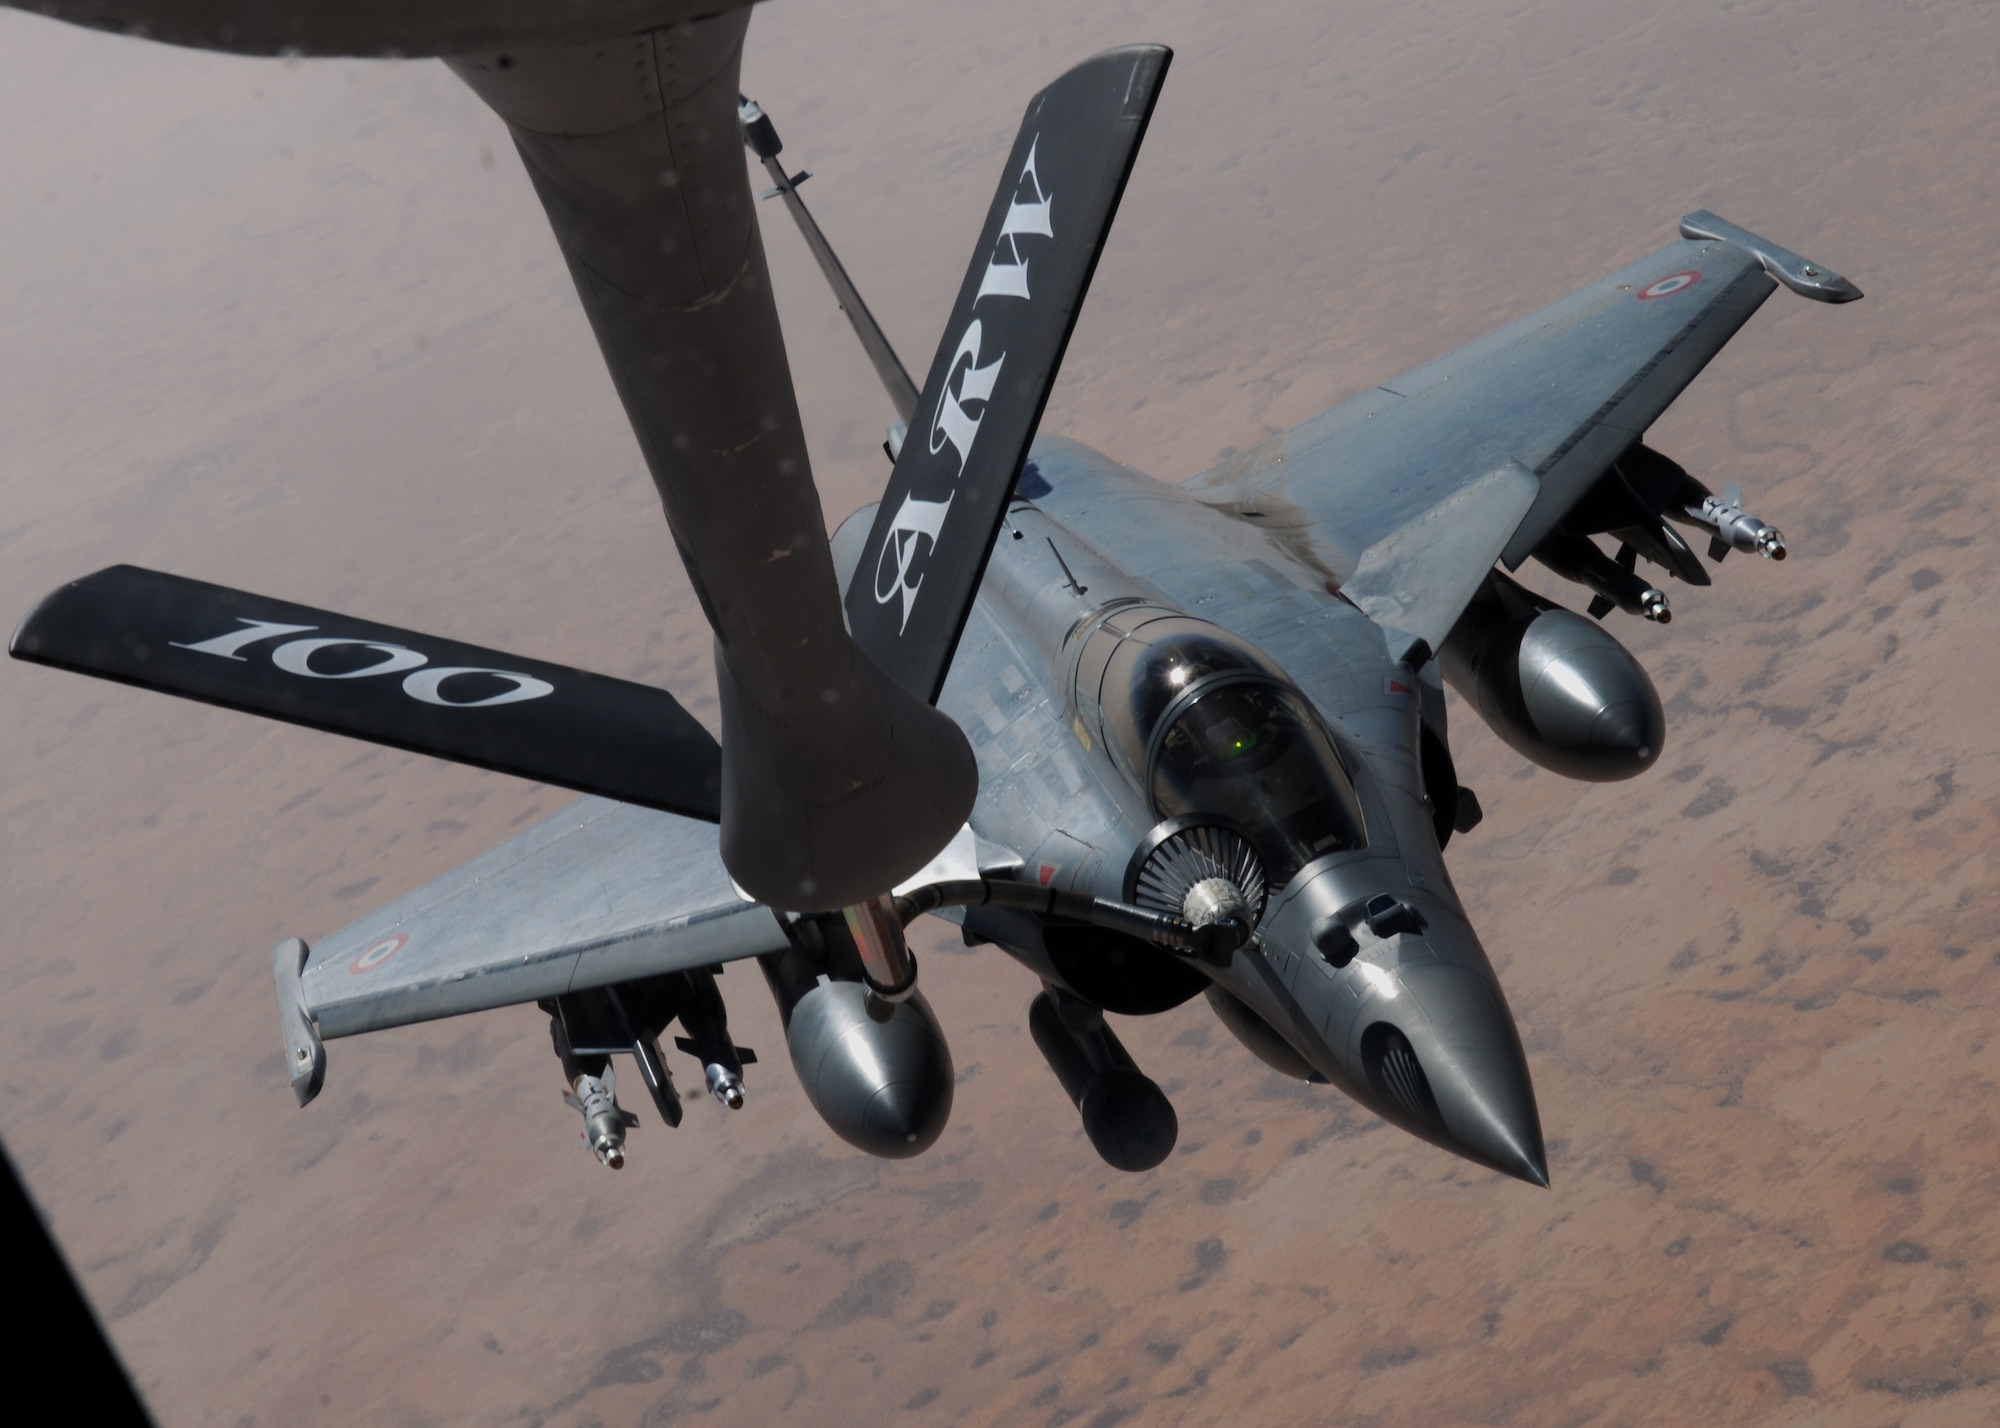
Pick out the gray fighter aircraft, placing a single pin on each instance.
(1154, 742)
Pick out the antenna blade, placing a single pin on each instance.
(918, 573)
(410, 691)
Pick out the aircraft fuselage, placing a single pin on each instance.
(1094, 557)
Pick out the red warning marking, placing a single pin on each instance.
(372, 957)
(1396, 686)
(1046, 872)
(1669, 285)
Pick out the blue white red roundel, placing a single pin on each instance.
(1668, 286)
(376, 954)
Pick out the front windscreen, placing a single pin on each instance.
(1152, 669)
(1252, 753)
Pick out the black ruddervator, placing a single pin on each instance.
(632, 742)
(433, 696)
(1009, 327)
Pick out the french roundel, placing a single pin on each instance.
(1668, 286)
(375, 955)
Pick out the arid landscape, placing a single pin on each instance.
(300, 327)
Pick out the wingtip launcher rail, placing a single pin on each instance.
(1805, 278)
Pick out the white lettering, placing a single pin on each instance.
(967, 384)
(296, 658)
(975, 384)
(913, 519)
(1003, 279)
(425, 686)
(228, 645)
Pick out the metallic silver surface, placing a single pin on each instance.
(884, 1086)
(1732, 527)
(1182, 856)
(1215, 900)
(708, 1039)
(885, 956)
(725, 1083)
(1324, 565)
(1556, 687)
(1802, 277)
(305, 1053)
(604, 1120)
(1434, 988)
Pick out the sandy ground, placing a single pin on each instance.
(301, 328)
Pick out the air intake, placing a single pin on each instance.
(1179, 855)
(1397, 1075)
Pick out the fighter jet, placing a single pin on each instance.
(1154, 742)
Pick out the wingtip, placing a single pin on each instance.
(1805, 278)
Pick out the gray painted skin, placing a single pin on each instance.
(1342, 552)
(1071, 810)
(1557, 687)
(880, 1075)
(1400, 501)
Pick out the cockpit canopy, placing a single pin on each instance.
(1202, 722)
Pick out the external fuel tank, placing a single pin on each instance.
(1555, 686)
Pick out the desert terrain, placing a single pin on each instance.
(300, 327)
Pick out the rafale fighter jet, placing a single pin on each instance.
(1154, 742)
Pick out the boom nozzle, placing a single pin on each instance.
(887, 965)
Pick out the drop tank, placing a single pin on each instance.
(1555, 686)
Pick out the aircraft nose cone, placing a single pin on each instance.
(1469, 1065)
